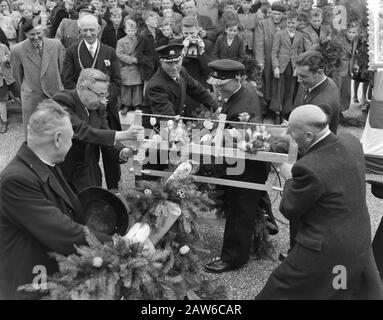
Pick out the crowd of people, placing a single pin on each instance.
(78, 66)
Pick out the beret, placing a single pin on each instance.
(30, 24)
(278, 6)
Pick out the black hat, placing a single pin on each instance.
(104, 211)
(30, 24)
(224, 70)
(278, 6)
(86, 7)
(170, 52)
(376, 188)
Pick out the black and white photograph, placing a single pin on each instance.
(191, 155)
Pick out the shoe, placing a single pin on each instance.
(3, 126)
(219, 266)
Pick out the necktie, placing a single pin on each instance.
(91, 50)
(305, 94)
(39, 51)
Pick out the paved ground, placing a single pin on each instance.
(248, 281)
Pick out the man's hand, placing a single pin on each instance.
(276, 73)
(201, 46)
(132, 133)
(126, 153)
(285, 170)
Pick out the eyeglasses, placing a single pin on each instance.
(101, 95)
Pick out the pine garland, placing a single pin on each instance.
(125, 271)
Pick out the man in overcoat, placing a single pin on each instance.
(326, 190)
(263, 43)
(39, 212)
(242, 205)
(36, 64)
(91, 53)
(86, 105)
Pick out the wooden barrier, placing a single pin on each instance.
(217, 150)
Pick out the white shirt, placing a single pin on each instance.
(94, 45)
(291, 34)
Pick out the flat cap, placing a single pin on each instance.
(87, 8)
(170, 52)
(33, 23)
(224, 70)
(278, 6)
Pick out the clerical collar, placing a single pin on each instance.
(317, 85)
(46, 162)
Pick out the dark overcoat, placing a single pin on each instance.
(37, 215)
(107, 62)
(327, 193)
(326, 93)
(91, 132)
(165, 96)
(241, 207)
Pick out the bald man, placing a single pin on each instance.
(91, 53)
(326, 190)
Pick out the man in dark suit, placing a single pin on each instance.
(39, 213)
(326, 191)
(318, 88)
(91, 53)
(167, 89)
(242, 205)
(86, 105)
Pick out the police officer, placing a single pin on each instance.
(242, 205)
(167, 89)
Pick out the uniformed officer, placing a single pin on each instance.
(167, 89)
(241, 205)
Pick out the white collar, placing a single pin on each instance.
(319, 83)
(325, 133)
(95, 45)
(46, 162)
(291, 34)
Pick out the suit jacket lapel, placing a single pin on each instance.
(311, 95)
(32, 54)
(47, 49)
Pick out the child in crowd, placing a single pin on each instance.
(349, 43)
(303, 21)
(113, 31)
(229, 13)
(131, 90)
(26, 14)
(288, 44)
(146, 47)
(7, 83)
(247, 23)
(166, 35)
(229, 45)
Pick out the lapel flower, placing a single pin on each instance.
(107, 63)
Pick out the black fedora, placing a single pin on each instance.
(104, 211)
(376, 188)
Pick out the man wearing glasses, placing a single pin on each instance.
(91, 53)
(87, 107)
